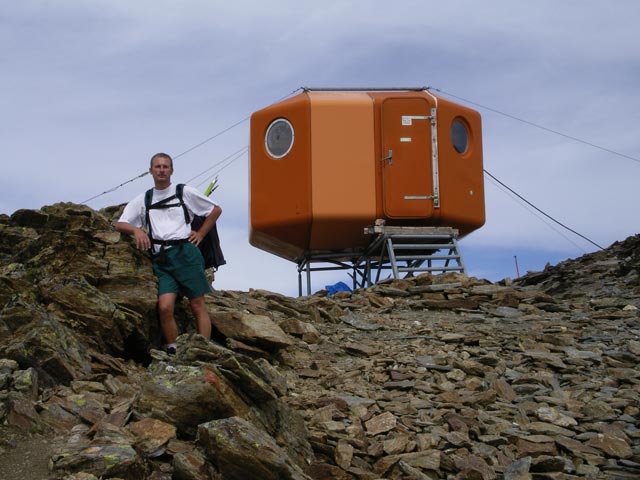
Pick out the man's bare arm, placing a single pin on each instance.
(140, 236)
(196, 237)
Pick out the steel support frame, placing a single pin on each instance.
(332, 262)
(380, 255)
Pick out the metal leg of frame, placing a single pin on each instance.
(380, 262)
(457, 250)
(392, 258)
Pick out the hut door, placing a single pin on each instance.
(407, 179)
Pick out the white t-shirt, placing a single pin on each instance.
(167, 223)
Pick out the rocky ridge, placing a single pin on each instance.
(433, 377)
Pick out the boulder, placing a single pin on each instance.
(241, 451)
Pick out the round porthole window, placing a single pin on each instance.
(279, 138)
(460, 136)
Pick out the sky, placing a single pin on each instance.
(91, 89)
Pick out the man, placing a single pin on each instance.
(177, 261)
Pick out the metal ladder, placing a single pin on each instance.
(409, 250)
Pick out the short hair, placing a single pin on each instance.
(161, 155)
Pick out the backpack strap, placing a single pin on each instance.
(148, 196)
(179, 192)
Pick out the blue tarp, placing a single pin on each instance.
(337, 287)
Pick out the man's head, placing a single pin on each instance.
(161, 170)
(161, 155)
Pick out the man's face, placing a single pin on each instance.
(161, 169)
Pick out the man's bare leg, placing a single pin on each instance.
(166, 304)
(203, 322)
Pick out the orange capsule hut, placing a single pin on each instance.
(326, 163)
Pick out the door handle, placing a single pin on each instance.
(389, 158)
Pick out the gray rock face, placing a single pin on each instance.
(240, 450)
(429, 377)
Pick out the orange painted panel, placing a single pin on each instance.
(342, 169)
(461, 174)
(280, 188)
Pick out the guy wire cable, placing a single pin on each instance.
(534, 213)
(229, 159)
(513, 117)
(176, 156)
(542, 212)
(240, 151)
(217, 172)
(113, 189)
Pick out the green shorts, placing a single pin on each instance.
(181, 271)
